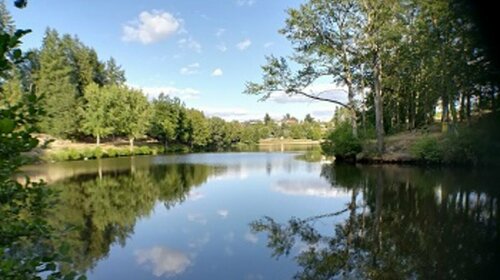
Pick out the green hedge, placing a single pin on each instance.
(98, 152)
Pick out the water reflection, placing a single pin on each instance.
(163, 261)
(399, 223)
(103, 210)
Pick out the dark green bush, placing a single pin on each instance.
(427, 149)
(342, 143)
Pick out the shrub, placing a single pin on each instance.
(123, 152)
(98, 153)
(111, 152)
(144, 150)
(74, 154)
(88, 153)
(342, 143)
(427, 149)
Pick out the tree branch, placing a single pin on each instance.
(323, 99)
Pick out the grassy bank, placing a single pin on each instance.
(52, 149)
(475, 143)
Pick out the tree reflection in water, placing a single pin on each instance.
(400, 223)
(97, 212)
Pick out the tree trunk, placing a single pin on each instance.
(131, 143)
(379, 117)
(363, 113)
(353, 116)
(98, 140)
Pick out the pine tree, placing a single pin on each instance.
(6, 22)
(113, 73)
(55, 85)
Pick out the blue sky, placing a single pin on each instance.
(201, 51)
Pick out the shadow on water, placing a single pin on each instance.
(401, 222)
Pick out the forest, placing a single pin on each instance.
(83, 96)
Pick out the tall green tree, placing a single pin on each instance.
(131, 113)
(54, 83)
(96, 111)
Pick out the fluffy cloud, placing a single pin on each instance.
(164, 261)
(151, 27)
(182, 93)
(217, 72)
(243, 45)
(190, 69)
(189, 43)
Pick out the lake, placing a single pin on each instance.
(273, 215)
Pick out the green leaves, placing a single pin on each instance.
(7, 125)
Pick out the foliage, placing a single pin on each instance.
(342, 143)
(24, 231)
(402, 59)
(427, 149)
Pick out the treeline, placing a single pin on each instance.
(83, 96)
(404, 63)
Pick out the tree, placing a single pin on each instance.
(165, 119)
(325, 35)
(55, 85)
(113, 73)
(6, 22)
(199, 129)
(131, 112)
(95, 112)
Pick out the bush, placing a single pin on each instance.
(98, 153)
(427, 149)
(144, 150)
(74, 154)
(342, 143)
(88, 153)
(111, 152)
(123, 152)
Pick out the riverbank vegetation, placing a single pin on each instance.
(87, 99)
(405, 65)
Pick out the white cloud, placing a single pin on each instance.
(194, 195)
(245, 2)
(190, 69)
(221, 47)
(164, 261)
(217, 72)
(151, 27)
(252, 238)
(268, 44)
(308, 187)
(223, 213)
(243, 45)
(182, 93)
(220, 32)
(189, 43)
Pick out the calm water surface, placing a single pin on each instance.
(273, 216)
